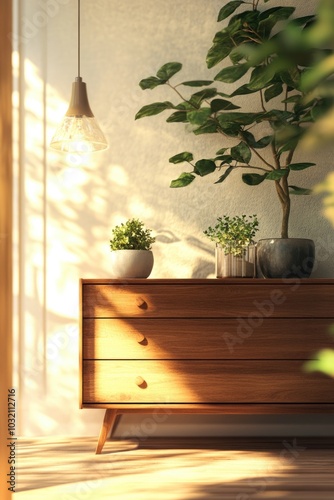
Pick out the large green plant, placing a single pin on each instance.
(274, 55)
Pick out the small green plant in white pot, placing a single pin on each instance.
(235, 246)
(131, 253)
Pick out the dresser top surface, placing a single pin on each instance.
(214, 281)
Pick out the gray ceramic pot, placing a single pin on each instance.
(285, 258)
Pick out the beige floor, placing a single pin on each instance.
(176, 469)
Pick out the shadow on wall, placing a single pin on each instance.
(66, 212)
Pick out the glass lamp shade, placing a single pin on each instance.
(79, 131)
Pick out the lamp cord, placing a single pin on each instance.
(78, 38)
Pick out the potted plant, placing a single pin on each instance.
(131, 253)
(235, 246)
(273, 54)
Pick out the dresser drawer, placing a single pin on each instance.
(147, 338)
(203, 382)
(215, 299)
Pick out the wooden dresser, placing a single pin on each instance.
(203, 346)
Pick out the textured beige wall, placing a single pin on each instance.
(65, 211)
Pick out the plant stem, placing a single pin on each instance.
(275, 156)
(180, 95)
(253, 167)
(289, 157)
(286, 96)
(261, 157)
(262, 102)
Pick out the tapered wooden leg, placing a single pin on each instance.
(108, 423)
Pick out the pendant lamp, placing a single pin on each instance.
(79, 131)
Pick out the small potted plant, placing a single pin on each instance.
(235, 247)
(131, 253)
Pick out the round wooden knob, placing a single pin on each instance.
(140, 337)
(141, 303)
(140, 381)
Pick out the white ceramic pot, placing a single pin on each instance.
(131, 263)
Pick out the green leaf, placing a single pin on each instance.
(243, 90)
(321, 108)
(222, 104)
(301, 21)
(253, 179)
(241, 153)
(317, 74)
(225, 174)
(198, 97)
(261, 76)
(154, 109)
(219, 51)
(291, 78)
(197, 83)
(199, 117)
(183, 180)
(324, 362)
(224, 159)
(228, 9)
(250, 139)
(299, 191)
(276, 115)
(292, 98)
(300, 166)
(276, 175)
(223, 95)
(289, 145)
(210, 127)
(184, 106)
(221, 151)
(242, 118)
(151, 82)
(230, 128)
(232, 73)
(273, 91)
(168, 70)
(269, 18)
(177, 117)
(205, 167)
(181, 157)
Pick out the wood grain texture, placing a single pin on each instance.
(226, 408)
(193, 468)
(204, 338)
(203, 382)
(107, 425)
(224, 300)
(205, 346)
(5, 235)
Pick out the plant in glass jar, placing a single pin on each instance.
(235, 246)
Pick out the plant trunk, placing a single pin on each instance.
(285, 218)
(284, 198)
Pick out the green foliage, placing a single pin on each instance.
(131, 235)
(286, 63)
(324, 363)
(233, 233)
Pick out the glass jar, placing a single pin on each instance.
(235, 261)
